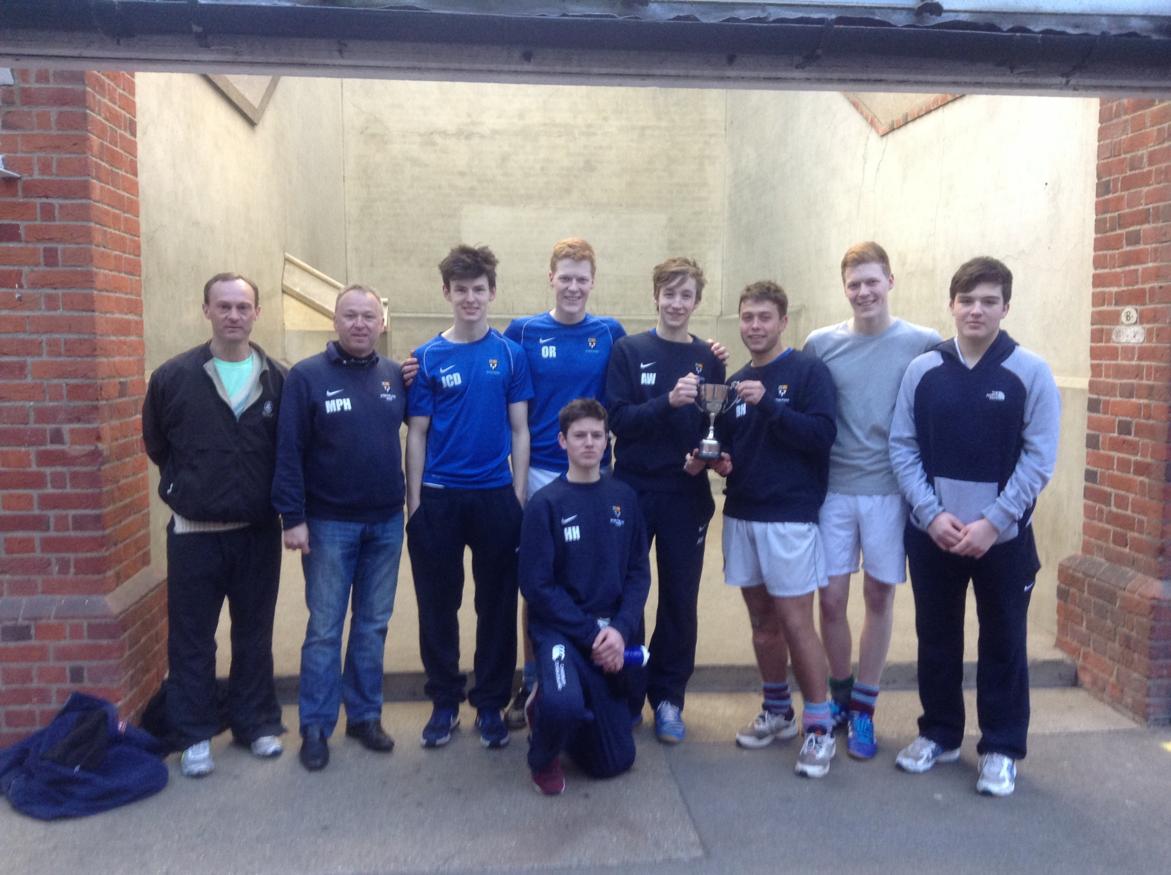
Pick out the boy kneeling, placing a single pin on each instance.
(585, 575)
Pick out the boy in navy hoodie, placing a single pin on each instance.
(651, 390)
(973, 443)
(585, 575)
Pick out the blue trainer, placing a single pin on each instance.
(493, 732)
(861, 744)
(437, 732)
(669, 728)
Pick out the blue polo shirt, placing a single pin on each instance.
(566, 362)
(465, 388)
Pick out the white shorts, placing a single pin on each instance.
(870, 525)
(785, 557)
(539, 477)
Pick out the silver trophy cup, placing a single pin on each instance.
(713, 399)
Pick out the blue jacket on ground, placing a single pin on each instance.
(84, 762)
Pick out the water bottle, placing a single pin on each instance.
(635, 657)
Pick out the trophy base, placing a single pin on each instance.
(709, 451)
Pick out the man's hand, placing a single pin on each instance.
(297, 538)
(718, 350)
(607, 650)
(685, 391)
(519, 490)
(945, 530)
(692, 464)
(976, 538)
(722, 465)
(750, 391)
(410, 369)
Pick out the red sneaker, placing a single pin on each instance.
(550, 781)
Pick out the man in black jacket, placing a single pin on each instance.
(209, 423)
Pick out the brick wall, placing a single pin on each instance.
(1114, 610)
(79, 608)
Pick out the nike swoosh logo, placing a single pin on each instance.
(445, 370)
(545, 339)
(565, 520)
(645, 365)
(329, 393)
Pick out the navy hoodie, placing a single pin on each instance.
(976, 442)
(780, 446)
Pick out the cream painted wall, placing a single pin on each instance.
(637, 172)
(219, 194)
(1007, 176)
(373, 181)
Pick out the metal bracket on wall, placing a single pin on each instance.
(5, 173)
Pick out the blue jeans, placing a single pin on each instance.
(345, 556)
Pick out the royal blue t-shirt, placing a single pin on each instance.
(566, 362)
(466, 388)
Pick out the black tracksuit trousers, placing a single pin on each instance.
(1002, 583)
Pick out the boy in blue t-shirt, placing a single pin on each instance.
(467, 415)
(568, 350)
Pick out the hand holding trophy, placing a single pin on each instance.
(713, 399)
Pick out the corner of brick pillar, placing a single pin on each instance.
(80, 608)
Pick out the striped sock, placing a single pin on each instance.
(777, 699)
(863, 698)
(817, 717)
(839, 691)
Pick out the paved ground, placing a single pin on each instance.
(1092, 796)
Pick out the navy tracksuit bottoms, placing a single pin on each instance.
(447, 521)
(677, 522)
(1002, 583)
(579, 710)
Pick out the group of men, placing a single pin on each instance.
(508, 454)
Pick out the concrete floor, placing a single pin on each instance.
(1092, 796)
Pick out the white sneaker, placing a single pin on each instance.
(267, 746)
(815, 756)
(997, 775)
(922, 753)
(764, 728)
(196, 760)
